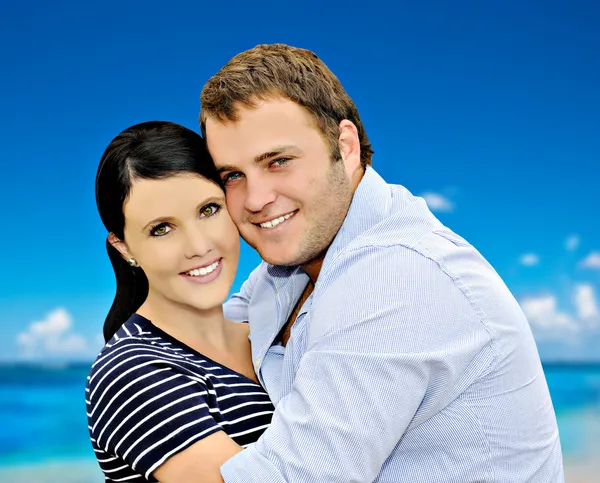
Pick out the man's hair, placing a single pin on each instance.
(279, 70)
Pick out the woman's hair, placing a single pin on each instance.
(150, 150)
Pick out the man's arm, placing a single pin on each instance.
(388, 344)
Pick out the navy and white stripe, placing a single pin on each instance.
(149, 397)
(411, 362)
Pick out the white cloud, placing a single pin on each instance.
(542, 312)
(565, 333)
(438, 202)
(548, 321)
(54, 337)
(529, 259)
(591, 261)
(572, 242)
(585, 303)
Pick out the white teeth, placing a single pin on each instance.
(199, 272)
(276, 221)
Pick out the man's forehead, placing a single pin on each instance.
(274, 112)
(231, 149)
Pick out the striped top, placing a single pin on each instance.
(149, 397)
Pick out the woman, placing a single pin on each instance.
(173, 393)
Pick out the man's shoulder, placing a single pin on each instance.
(389, 215)
(406, 225)
(395, 249)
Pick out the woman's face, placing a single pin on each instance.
(180, 233)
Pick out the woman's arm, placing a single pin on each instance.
(200, 463)
(145, 411)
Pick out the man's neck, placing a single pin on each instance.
(287, 328)
(313, 268)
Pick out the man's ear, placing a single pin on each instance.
(119, 245)
(349, 146)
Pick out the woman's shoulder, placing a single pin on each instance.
(145, 398)
(136, 328)
(135, 332)
(134, 351)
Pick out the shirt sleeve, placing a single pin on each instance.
(145, 409)
(236, 307)
(390, 343)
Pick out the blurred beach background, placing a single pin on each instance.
(488, 110)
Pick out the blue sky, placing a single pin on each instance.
(490, 110)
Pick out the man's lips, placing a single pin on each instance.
(274, 221)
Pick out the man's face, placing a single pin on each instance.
(284, 193)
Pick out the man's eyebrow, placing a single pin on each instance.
(223, 169)
(276, 151)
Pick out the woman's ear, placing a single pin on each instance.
(119, 245)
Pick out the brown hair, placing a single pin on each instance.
(279, 70)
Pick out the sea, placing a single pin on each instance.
(44, 436)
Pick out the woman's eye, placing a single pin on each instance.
(210, 209)
(160, 230)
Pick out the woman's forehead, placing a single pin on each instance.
(166, 197)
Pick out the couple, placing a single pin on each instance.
(380, 346)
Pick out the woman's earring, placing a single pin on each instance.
(133, 262)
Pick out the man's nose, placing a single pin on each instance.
(259, 193)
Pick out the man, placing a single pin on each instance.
(392, 350)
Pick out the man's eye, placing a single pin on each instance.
(230, 177)
(210, 209)
(279, 162)
(160, 230)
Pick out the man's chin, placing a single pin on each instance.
(288, 259)
(274, 253)
(281, 261)
(277, 255)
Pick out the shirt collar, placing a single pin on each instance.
(369, 206)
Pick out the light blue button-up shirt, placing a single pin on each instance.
(410, 362)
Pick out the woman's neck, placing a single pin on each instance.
(198, 328)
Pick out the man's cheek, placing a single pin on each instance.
(235, 205)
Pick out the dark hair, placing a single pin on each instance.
(296, 74)
(150, 150)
